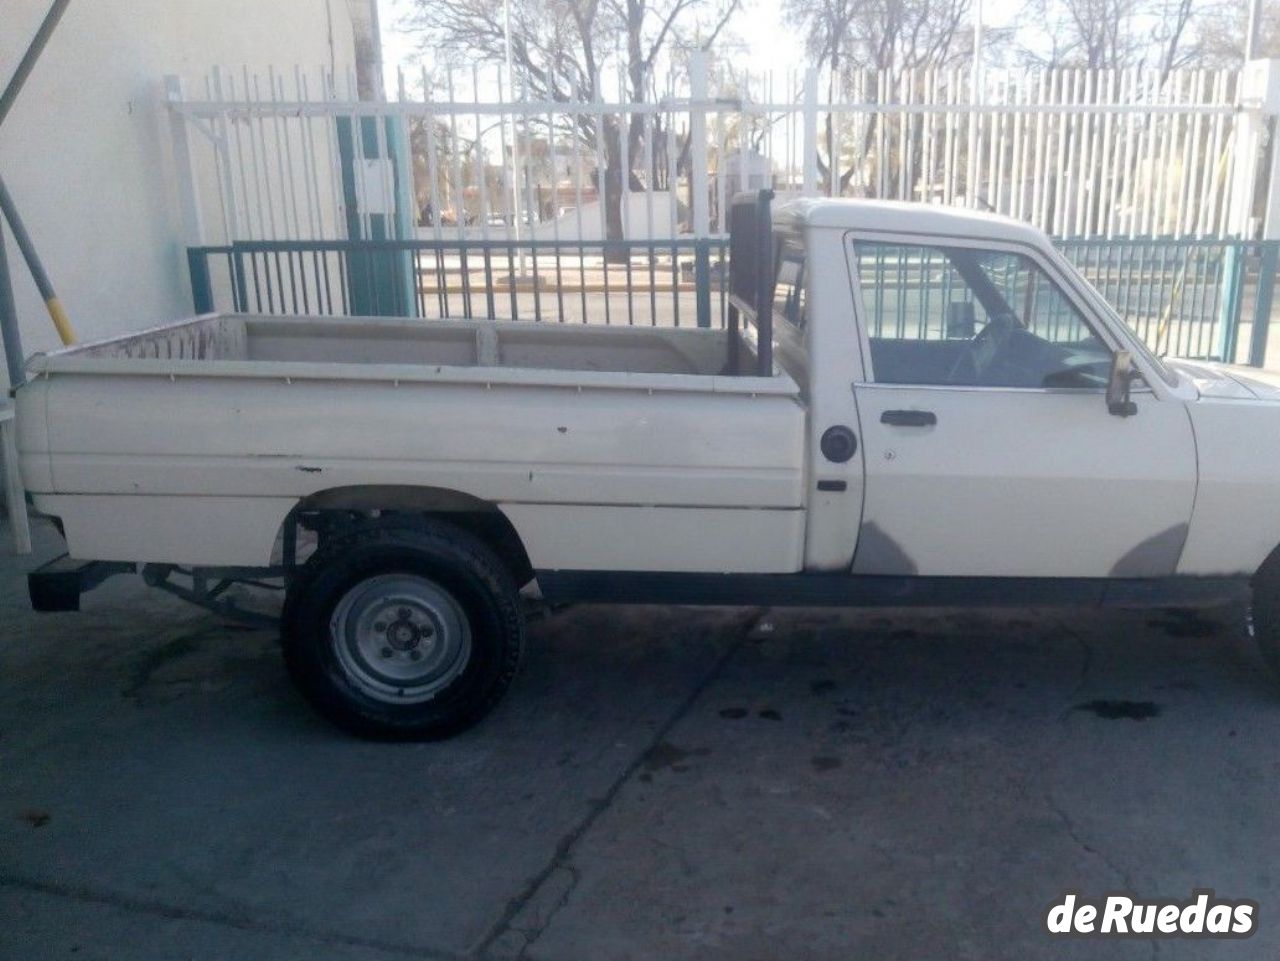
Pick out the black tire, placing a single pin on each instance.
(1266, 611)
(462, 618)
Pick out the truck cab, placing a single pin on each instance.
(971, 364)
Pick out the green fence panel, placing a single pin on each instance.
(381, 280)
(1184, 297)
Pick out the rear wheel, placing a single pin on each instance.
(403, 628)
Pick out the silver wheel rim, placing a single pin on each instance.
(400, 638)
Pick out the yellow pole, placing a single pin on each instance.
(60, 321)
(56, 313)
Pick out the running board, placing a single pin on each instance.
(865, 590)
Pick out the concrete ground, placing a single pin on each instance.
(660, 783)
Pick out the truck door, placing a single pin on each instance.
(988, 444)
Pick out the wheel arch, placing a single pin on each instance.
(481, 518)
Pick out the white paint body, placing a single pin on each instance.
(623, 449)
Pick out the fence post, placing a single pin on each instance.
(239, 284)
(1259, 103)
(1262, 303)
(189, 198)
(973, 161)
(811, 132)
(702, 280)
(1231, 302)
(222, 153)
(698, 132)
(1270, 254)
(201, 286)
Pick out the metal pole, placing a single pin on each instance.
(977, 38)
(1262, 305)
(375, 24)
(31, 56)
(699, 88)
(975, 98)
(1251, 35)
(811, 133)
(7, 207)
(9, 321)
(515, 134)
(47, 293)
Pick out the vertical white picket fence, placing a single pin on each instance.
(1078, 153)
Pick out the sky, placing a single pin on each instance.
(770, 44)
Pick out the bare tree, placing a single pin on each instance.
(1176, 41)
(1115, 34)
(558, 48)
(1104, 31)
(888, 37)
(1222, 34)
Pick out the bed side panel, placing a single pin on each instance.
(201, 469)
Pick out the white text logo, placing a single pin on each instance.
(1122, 915)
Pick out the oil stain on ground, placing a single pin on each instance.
(664, 754)
(1121, 710)
(206, 658)
(1185, 624)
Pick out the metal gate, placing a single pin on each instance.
(364, 208)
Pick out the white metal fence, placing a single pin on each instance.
(1078, 153)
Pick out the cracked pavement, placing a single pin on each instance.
(660, 783)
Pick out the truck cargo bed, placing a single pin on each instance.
(446, 343)
(600, 445)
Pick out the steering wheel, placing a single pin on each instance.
(983, 349)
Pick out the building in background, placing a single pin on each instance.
(87, 151)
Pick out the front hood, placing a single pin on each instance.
(1229, 381)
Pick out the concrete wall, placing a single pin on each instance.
(86, 151)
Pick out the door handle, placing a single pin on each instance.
(909, 418)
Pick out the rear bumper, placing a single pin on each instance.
(57, 585)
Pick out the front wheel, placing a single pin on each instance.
(403, 628)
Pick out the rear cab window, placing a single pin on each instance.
(789, 283)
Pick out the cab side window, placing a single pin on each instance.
(788, 289)
(954, 316)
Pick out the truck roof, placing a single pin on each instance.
(898, 215)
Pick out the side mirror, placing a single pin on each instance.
(1122, 374)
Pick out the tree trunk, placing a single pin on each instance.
(612, 193)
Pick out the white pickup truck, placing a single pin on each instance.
(910, 405)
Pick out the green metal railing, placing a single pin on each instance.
(660, 283)
(1184, 297)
